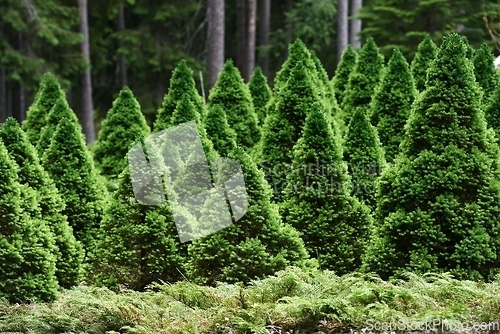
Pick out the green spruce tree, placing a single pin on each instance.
(26, 243)
(70, 165)
(344, 68)
(485, 72)
(219, 132)
(138, 243)
(69, 254)
(255, 246)
(60, 110)
(260, 92)
(363, 80)
(364, 156)
(333, 224)
(123, 124)
(284, 127)
(391, 104)
(181, 83)
(492, 111)
(36, 117)
(438, 205)
(233, 95)
(426, 53)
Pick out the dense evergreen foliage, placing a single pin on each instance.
(232, 94)
(181, 83)
(485, 72)
(364, 156)
(438, 205)
(260, 92)
(391, 104)
(255, 246)
(363, 80)
(123, 124)
(69, 163)
(426, 53)
(69, 253)
(48, 94)
(219, 132)
(27, 244)
(344, 68)
(334, 225)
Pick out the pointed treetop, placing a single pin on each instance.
(181, 82)
(426, 53)
(344, 68)
(297, 52)
(484, 70)
(261, 93)
(48, 94)
(219, 132)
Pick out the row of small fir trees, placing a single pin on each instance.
(384, 168)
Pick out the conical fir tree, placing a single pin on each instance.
(232, 94)
(334, 225)
(219, 132)
(364, 156)
(485, 72)
(48, 94)
(363, 80)
(138, 244)
(255, 246)
(426, 53)
(26, 244)
(344, 68)
(492, 111)
(260, 92)
(69, 254)
(438, 205)
(70, 165)
(123, 124)
(60, 110)
(181, 83)
(284, 127)
(391, 105)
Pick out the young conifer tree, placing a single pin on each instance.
(438, 205)
(48, 94)
(485, 72)
(363, 80)
(219, 132)
(334, 225)
(390, 107)
(69, 253)
(426, 53)
(181, 83)
(123, 124)
(261, 93)
(365, 157)
(232, 94)
(255, 246)
(344, 68)
(26, 243)
(70, 165)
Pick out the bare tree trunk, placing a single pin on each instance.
(241, 35)
(265, 19)
(355, 39)
(87, 105)
(251, 31)
(3, 95)
(342, 27)
(215, 39)
(122, 64)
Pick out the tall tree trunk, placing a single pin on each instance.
(251, 31)
(342, 27)
(3, 95)
(355, 39)
(122, 64)
(241, 35)
(265, 19)
(215, 39)
(87, 104)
